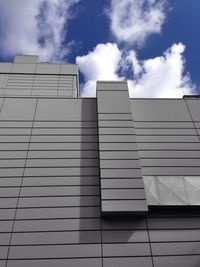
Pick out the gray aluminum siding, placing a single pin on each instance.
(51, 149)
(50, 211)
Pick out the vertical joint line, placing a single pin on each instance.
(192, 120)
(20, 188)
(101, 241)
(99, 185)
(2, 104)
(58, 80)
(33, 79)
(3, 84)
(149, 241)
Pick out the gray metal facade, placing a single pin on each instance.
(64, 158)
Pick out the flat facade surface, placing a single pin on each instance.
(51, 149)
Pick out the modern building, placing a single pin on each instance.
(95, 182)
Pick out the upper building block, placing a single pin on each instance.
(27, 77)
(26, 59)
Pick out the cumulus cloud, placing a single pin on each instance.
(35, 27)
(132, 21)
(100, 64)
(163, 76)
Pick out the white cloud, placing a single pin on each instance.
(100, 64)
(35, 27)
(162, 76)
(132, 21)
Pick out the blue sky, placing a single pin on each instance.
(154, 44)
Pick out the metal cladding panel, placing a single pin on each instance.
(5, 67)
(3, 252)
(4, 239)
(52, 201)
(178, 248)
(56, 213)
(163, 124)
(26, 59)
(59, 181)
(148, 110)
(123, 207)
(55, 251)
(72, 237)
(84, 262)
(46, 68)
(176, 222)
(120, 183)
(18, 109)
(112, 102)
(125, 194)
(183, 261)
(59, 190)
(121, 236)
(23, 68)
(124, 223)
(112, 86)
(63, 154)
(140, 249)
(114, 110)
(66, 110)
(57, 225)
(69, 69)
(128, 262)
(174, 235)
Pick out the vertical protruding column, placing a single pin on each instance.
(122, 188)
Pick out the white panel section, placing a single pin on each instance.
(150, 184)
(192, 188)
(172, 190)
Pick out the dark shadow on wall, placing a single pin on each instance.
(89, 184)
(124, 229)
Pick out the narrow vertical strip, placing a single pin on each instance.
(18, 198)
